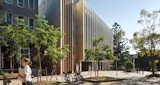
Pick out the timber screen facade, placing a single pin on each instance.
(80, 24)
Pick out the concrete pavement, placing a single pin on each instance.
(116, 74)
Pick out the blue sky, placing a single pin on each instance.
(124, 12)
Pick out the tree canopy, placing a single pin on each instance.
(147, 41)
(43, 34)
(99, 52)
(120, 45)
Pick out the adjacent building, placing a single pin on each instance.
(9, 10)
(80, 24)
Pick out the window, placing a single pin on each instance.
(31, 4)
(9, 1)
(9, 18)
(20, 3)
(25, 52)
(20, 17)
(31, 23)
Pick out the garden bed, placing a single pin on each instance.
(49, 83)
(153, 75)
(101, 79)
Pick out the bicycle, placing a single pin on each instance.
(66, 76)
(6, 80)
(78, 77)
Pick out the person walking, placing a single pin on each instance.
(89, 70)
(54, 71)
(26, 77)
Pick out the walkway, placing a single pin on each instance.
(131, 78)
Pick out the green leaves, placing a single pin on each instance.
(120, 41)
(42, 34)
(147, 41)
(18, 32)
(57, 52)
(45, 34)
(99, 51)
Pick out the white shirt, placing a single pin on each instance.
(28, 73)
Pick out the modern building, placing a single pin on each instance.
(80, 24)
(9, 10)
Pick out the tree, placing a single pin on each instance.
(43, 35)
(12, 37)
(120, 44)
(99, 52)
(147, 41)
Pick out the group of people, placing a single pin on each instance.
(26, 75)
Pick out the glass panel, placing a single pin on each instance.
(31, 4)
(9, 18)
(20, 2)
(9, 1)
(31, 23)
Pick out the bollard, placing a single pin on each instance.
(6, 80)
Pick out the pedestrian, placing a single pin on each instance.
(77, 68)
(54, 71)
(26, 78)
(89, 70)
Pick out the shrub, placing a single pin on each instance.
(129, 66)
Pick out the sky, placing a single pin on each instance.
(124, 12)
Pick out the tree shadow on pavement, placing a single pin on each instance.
(141, 81)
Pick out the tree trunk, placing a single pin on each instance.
(13, 62)
(97, 69)
(40, 66)
(152, 67)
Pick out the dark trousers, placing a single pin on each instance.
(27, 83)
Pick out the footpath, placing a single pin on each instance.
(116, 74)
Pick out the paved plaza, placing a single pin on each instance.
(129, 78)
